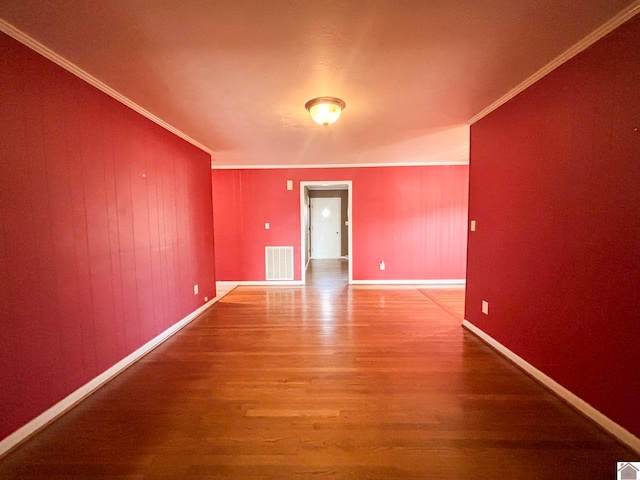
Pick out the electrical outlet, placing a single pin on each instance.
(195, 289)
(473, 225)
(485, 307)
(206, 299)
(267, 226)
(382, 265)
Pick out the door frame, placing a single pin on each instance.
(326, 184)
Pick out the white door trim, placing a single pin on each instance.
(303, 226)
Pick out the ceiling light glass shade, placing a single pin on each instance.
(325, 110)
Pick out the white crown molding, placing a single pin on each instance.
(48, 416)
(46, 52)
(335, 165)
(572, 399)
(582, 45)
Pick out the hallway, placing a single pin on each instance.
(327, 274)
(325, 380)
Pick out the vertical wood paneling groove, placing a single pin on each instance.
(89, 339)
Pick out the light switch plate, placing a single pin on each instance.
(485, 307)
(266, 226)
(473, 225)
(289, 184)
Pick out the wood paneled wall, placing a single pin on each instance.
(105, 226)
(554, 188)
(413, 218)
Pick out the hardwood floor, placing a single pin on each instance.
(325, 380)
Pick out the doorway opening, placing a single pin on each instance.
(326, 225)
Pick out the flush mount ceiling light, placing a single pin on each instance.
(325, 110)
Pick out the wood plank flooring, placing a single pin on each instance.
(325, 380)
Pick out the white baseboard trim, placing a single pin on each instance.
(430, 283)
(222, 288)
(48, 416)
(424, 283)
(267, 283)
(576, 402)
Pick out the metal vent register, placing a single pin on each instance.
(279, 263)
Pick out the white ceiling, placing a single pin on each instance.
(234, 75)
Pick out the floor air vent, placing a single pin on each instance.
(279, 263)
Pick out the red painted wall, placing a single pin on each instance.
(555, 189)
(413, 218)
(105, 226)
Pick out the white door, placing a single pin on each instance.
(325, 228)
